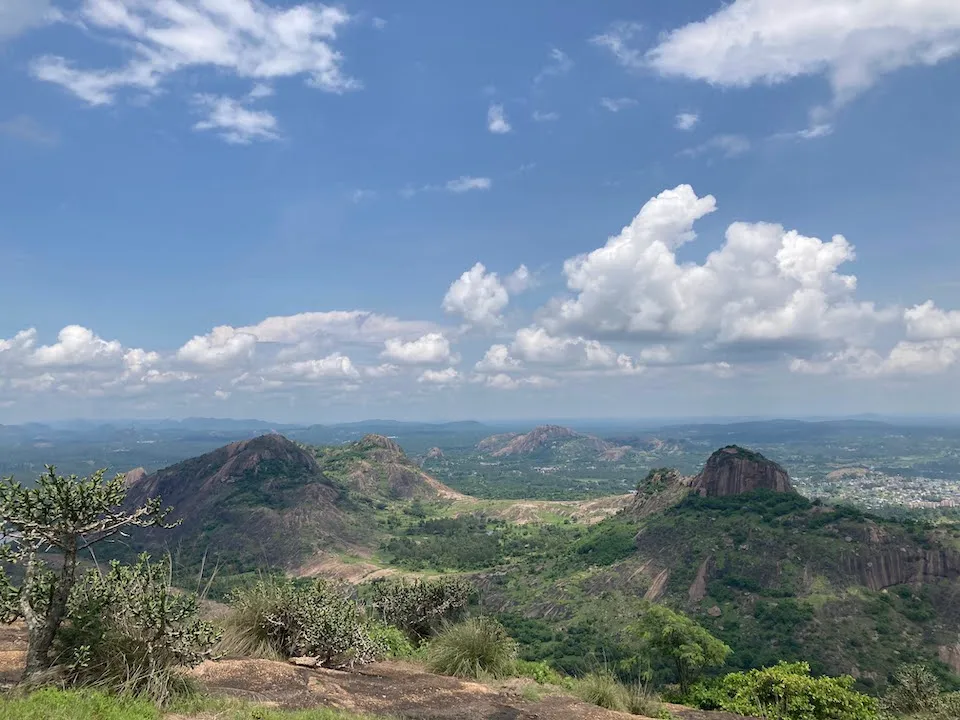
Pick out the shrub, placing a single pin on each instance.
(915, 692)
(278, 618)
(604, 690)
(476, 648)
(129, 632)
(420, 607)
(538, 671)
(786, 691)
(393, 641)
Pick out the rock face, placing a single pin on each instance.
(132, 477)
(899, 566)
(536, 439)
(434, 453)
(660, 489)
(734, 470)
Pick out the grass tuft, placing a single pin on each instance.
(477, 648)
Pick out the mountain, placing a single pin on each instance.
(733, 470)
(545, 439)
(263, 501)
(775, 575)
(377, 467)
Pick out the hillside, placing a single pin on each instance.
(776, 576)
(377, 467)
(259, 502)
(550, 439)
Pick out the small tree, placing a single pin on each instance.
(420, 607)
(66, 516)
(682, 642)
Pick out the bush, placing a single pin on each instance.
(278, 618)
(915, 692)
(786, 691)
(129, 632)
(420, 607)
(540, 671)
(393, 641)
(477, 648)
(604, 690)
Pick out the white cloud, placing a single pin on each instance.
(235, 123)
(852, 42)
(764, 285)
(497, 359)
(617, 40)
(381, 371)
(77, 346)
(335, 365)
(617, 104)
(478, 296)
(260, 91)
(448, 376)
(497, 120)
(559, 64)
(502, 381)
(432, 348)
(928, 322)
(539, 116)
(519, 280)
(18, 16)
(727, 145)
(537, 345)
(342, 325)
(465, 183)
(221, 347)
(686, 121)
(246, 38)
(222, 394)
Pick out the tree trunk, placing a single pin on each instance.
(42, 631)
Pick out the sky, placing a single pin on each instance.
(497, 210)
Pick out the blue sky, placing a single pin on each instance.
(277, 209)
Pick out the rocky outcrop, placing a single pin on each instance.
(733, 470)
(536, 439)
(901, 566)
(698, 589)
(660, 489)
(132, 477)
(434, 453)
(377, 465)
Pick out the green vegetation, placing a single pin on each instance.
(469, 542)
(129, 633)
(68, 515)
(419, 607)
(280, 618)
(916, 694)
(477, 648)
(678, 640)
(787, 691)
(53, 704)
(605, 690)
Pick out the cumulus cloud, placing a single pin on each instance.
(772, 41)
(432, 348)
(686, 121)
(77, 345)
(480, 297)
(536, 345)
(221, 347)
(928, 322)
(497, 359)
(764, 286)
(502, 381)
(235, 123)
(497, 120)
(449, 376)
(335, 365)
(247, 39)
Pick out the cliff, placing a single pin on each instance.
(733, 470)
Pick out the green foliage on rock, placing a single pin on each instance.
(65, 516)
(681, 641)
(477, 648)
(787, 691)
(280, 618)
(129, 632)
(420, 607)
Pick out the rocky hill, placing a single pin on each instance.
(733, 470)
(377, 467)
(550, 438)
(263, 501)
